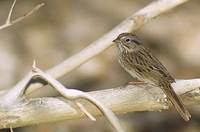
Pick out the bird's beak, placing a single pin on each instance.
(115, 40)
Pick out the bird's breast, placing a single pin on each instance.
(127, 62)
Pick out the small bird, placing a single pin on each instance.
(140, 63)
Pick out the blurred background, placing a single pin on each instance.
(64, 27)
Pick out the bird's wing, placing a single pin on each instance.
(145, 61)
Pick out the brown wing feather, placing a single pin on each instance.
(149, 63)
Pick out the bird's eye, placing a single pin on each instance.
(127, 40)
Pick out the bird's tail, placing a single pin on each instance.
(175, 100)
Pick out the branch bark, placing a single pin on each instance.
(131, 24)
(121, 100)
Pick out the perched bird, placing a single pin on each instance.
(140, 63)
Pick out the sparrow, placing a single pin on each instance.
(140, 63)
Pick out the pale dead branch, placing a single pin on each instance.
(14, 96)
(10, 22)
(121, 100)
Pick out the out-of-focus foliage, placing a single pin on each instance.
(64, 27)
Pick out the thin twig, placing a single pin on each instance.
(11, 129)
(27, 14)
(10, 12)
(86, 112)
(131, 24)
(10, 22)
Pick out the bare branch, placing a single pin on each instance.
(121, 100)
(73, 94)
(14, 96)
(10, 22)
(131, 24)
(10, 12)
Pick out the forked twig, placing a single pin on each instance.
(13, 96)
(10, 22)
(73, 94)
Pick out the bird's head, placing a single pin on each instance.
(127, 41)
